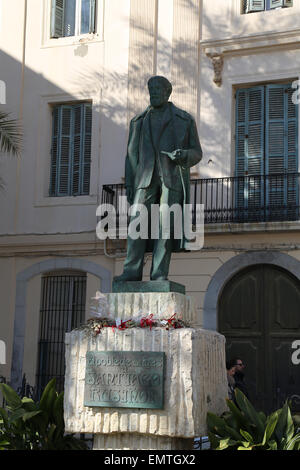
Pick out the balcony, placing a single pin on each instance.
(239, 199)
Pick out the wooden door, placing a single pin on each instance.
(259, 314)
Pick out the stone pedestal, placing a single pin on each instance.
(195, 377)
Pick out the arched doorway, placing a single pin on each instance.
(259, 314)
(62, 308)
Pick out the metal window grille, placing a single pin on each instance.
(63, 299)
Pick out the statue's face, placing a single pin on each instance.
(159, 94)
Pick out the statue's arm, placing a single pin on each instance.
(190, 156)
(129, 168)
(193, 154)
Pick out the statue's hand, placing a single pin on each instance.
(176, 156)
(129, 194)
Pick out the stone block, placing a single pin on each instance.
(195, 382)
(162, 305)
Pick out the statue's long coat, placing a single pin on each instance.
(179, 131)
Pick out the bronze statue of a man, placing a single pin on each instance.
(163, 144)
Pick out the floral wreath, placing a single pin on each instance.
(100, 319)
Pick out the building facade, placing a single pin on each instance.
(76, 73)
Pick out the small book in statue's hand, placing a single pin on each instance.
(177, 154)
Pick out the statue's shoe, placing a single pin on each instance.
(125, 277)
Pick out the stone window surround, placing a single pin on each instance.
(22, 279)
(98, 36)
(44, 141)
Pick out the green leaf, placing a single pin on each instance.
(285, 426)
(16, 415)
(214, 441)
(250, 413)
(263, 417)
(224, 443)
(12, 398)
(48, 398)
(247, 436)
(29, 405)
(271, 425)
(273, 445)
(30, 414)
(240, 419)
(216, 424)
(58, 411)
(4, 416)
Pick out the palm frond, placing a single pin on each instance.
(10, 135)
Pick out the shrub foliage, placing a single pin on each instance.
(26, 425)
(243, 428)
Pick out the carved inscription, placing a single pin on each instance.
(124, 379)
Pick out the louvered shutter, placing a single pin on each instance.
(92, 27)
(61, 151)
(276, 3)
(87, 147)
(77, 150)
(249, 151)
(65, 151)
(280, 3)
(281, 150)
(255, 5)
(81, 149)
(71, 150)
(54, 151)
(57, 18)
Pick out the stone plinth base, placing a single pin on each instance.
(195, 382)
(140, 442)
(162, 305)
(194, 379)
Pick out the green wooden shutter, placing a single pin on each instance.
(57, 18)
(65, 151)
(71, 150)
(249, 148)
(81, 149)
(77, 150)
(54, 151)
(255, 5)
(281, 147)
(92, 28)
(87, 147)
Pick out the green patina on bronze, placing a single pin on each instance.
(148, 286)
(163, 144)
(117, 379)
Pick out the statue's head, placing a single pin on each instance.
(160, 90)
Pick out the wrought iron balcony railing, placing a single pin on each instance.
(239, 199)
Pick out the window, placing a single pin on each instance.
(252, 6)
(71, 150)
(267, 149)
(62, 309)
(72, 17)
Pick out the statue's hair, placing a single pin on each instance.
(164, 81)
